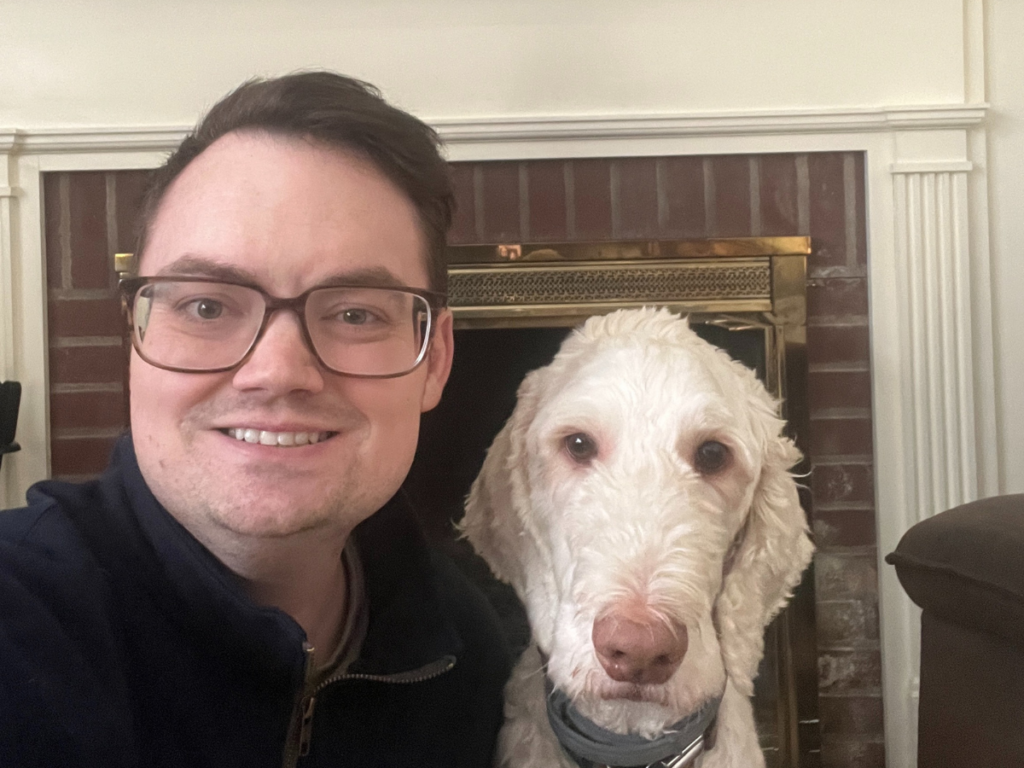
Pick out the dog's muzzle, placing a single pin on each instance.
(592, 746)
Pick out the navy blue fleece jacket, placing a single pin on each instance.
(124, 642)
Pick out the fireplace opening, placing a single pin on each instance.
(508, 325)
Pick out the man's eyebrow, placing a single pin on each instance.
(379, 277)
(200, 266)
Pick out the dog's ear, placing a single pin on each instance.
(770, 556)
(497, 521)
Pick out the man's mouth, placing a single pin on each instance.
(278, 439)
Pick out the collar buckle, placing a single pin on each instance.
(691, 757)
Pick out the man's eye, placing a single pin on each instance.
(206, 309)
(711, 457)
(355, 316)
(581, 447)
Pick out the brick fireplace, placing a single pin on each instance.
(90, 215)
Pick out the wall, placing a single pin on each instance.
(114, 62)
(1005, 124)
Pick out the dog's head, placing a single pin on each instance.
(639, 501)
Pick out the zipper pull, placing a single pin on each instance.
(306, 727)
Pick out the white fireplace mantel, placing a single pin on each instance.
(929, 284)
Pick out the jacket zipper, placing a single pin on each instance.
(299, 746)
(302, 715)
(426, 672)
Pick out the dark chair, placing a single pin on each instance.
(965, 569)
(10, 399)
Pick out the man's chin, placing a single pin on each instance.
(227, 506)
(280, 516)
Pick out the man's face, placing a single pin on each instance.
(290, 215)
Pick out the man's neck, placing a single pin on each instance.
(302, 575)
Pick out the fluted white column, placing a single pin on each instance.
(940, 449)
(932, 251)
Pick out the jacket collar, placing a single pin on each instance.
(408, 626)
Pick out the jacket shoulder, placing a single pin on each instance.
(47, 568)
(485, 663)
(62, 673)
(42, 533)
(469, 610)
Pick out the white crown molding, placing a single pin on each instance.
(456, 131)
(100, 139)
(721, 124)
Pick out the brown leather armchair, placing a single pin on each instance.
(965, 569)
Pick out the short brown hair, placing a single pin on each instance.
(340, 112)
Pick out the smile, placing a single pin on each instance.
(279, 439)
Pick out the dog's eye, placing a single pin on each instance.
(581, 447)
(711, 457)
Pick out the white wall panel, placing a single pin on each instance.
(115, 62)
(1005, 135)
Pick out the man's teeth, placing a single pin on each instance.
(264, 437)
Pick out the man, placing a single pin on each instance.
(244, 585)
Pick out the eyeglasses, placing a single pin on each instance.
(200, 325)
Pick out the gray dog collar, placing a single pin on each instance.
(592, 746)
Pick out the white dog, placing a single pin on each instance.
(639, 501)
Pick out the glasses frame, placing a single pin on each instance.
(130, 286)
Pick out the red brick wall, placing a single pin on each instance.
(89, 216)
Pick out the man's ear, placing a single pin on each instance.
(439, 360)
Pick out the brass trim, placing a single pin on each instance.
(561, 315)
(630, 250)
(789, 289)
(725, 285)
(796, 626)
(124, 264)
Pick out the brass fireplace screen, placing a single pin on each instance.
(512, 305)
(740, 282)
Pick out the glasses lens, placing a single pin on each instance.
(368, 331)
(195, 326)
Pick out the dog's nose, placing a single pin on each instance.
(642, 652)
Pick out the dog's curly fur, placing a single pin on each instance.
(640, 524)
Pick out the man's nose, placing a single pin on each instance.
(282, 361)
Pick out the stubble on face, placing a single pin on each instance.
(260, 500)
